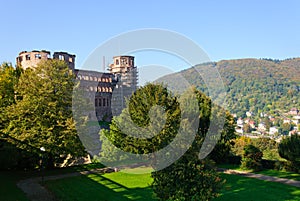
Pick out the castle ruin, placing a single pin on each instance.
(108, 90)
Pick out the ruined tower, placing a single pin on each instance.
(125, 74)
(31, 59)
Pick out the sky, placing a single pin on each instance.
(223, 29)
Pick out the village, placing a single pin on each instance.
(271, 126)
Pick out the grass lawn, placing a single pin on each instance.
(8, 180)
(249, 189)
(274, 173)
(8, 189)
(103, 187)
(281, 174)
(122, 186)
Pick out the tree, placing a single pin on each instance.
(43, 117)
(222, 150)
(8, 80)
(159, 117)
(252, 158)
(289, 149)
(239, 144)
(247, 128)
(286, 128)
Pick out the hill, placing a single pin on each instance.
(256, 85)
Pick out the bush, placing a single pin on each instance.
(289, 149)
(13, 158)
(252, 158)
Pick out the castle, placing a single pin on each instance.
(108, 90)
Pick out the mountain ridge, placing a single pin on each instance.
(255, 85)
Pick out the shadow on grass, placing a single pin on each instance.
(249, 189)
(8, 189)
(96, 187)
(281, 174)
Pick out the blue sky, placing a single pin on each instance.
(223, 29)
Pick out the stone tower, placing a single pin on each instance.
(68, 58)
(125, 74)
(31, 59)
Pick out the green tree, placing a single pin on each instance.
(252, 158)
(8, 80)
(222, 150)
(43, 117)
(159, 116)
(286, 128)
(247, 128)
(289, 149)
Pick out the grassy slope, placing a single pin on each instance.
(248, 189)
(121, 186)
(281, 174)
(9, 190)
(108, 187)
(274, 173)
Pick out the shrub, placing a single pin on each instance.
(289, 149)
(252, 158)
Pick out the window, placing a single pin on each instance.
(117, 61)
(70, 59)
(27, 57)
(20, 58)
(61, 57)
(100, 102)
(103, 102)
(38, 56)
(96, 102)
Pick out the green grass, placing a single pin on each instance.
(8, 189)
(274, 173)
(104, 187)
(249, 189)
(8, 180)
(124, 187)
(281, 174)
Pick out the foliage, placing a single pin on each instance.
(13, 158)
(188, 177)
(222, 150)
(127, 130)
(289, 148)
(8, 81)
(239, 144)
(42, 116)
(252, 84)
(252, 158)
